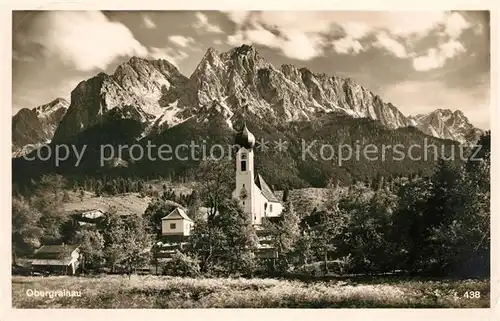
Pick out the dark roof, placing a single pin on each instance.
(180, 211)
(244, 138)
(54, 251)
(265, 189)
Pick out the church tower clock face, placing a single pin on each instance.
(243, 193)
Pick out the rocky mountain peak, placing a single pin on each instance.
(448, 124)
(33, 127)
(245, 57)
(155, 94)
(48, 109)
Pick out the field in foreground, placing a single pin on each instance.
(175, 292)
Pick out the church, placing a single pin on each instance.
(255, 195)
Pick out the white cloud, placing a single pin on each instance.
(86, 40)
(148, 23)
(292, 43)
(356, 29)
(392, 30)
(410, 23)
(391, 45)
(455, 24)
(263, 37)
(347, 45)
(238, 17)
(173, 56)
(437, 57)
(181, 41)
(203, 23)
(236, 40)
(431, 60)
(301, 46)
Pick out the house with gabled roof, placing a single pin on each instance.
(61, 259)
(176, 223)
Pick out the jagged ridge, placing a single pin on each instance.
(240, 81)
(33, 127)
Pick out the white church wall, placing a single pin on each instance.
(274, 209)
(255, 202)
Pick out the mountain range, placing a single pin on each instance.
(157, 99)
(32, 128)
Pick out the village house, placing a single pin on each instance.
(87, 217)
(176, 223)
(60, 259)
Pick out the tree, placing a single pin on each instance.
(240, 239)
(182, 265)
(226, 243)
(304, 247)
(91, 249)
(113, 232)
(367, 234)
(284, 235)
(285, 195)
(126, 241)
(461, 245)
(136, 243)
(26, 233)
(205, 243)
(156, 210)
(216, 181)
(325, 234)
(48, 201)
(408, 222)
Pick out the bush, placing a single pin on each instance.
(182, 265)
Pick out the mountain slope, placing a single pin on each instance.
(36, 126)
(147, 101)
(138, 90)
(447, 124)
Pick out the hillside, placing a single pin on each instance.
(125, 204)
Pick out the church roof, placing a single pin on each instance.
(244, 138)
(176, 213)
(265, 189)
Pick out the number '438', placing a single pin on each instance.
(472, 294)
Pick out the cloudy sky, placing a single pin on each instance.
(419, 61)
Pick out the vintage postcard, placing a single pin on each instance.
(251, 158)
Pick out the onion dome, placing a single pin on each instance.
(245, 138)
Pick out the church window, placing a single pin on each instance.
(172, 226)
(243, 156)
(270, 207)
(243, 166)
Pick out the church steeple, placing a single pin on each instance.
(245, 138)
(245, 187)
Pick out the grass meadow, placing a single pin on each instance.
(164, 292)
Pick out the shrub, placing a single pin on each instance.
(182, 265)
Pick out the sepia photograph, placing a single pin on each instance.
(258, 159)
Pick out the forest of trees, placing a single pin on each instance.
(436, 224)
